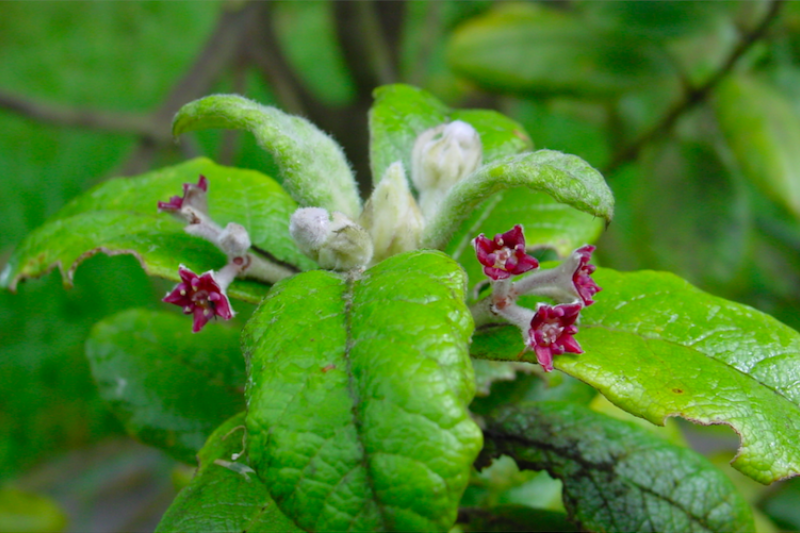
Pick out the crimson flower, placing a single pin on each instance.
(201, 296)
(192, 194)
(504, 255)
(551, 331)
(584, 284)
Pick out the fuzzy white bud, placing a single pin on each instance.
(335, 242)
(234, 240)
(391, 216)
(442, 156)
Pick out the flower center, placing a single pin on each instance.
(501, 257)
(550, 333)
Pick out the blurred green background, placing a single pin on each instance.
(690, 109)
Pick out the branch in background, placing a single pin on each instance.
(116, 122)
(264, 52)
(694, 96)
(218, 52)
(375, 44)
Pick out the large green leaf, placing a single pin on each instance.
(617, 476)
(763, 130)
(546, 223)
(219, 498)
(169, 387)
(357, 395)
(402, 112)
(568, 179)
(658, 347)
(120, 216)
(536, 50)
(313, 167)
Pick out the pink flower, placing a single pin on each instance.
(202, 296)
(584, 284)
(551, 331)
(193, 195)
(505, 255)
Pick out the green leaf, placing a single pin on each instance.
(618, 477)
(567, 178)
(314, 169)
(169, 387)
(401, 112)
(357, 396)
(546, 223)
(24, 512)
(763, 131)
(221, 500)
(537, 50)
(657, 20)
(658, 347)
(120, 216)
(514, 517)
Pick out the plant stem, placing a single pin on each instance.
(696, 95)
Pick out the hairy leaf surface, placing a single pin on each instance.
(169, 387)
(617, 476)
(357, 396)
(121, 216)
(219, 498)
(568, 179)
(313, 167)
(658, 347)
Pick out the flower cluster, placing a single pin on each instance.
(550, 329)
(204, 296)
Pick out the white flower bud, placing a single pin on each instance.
(391, 215)
(309, 227)
(334, 242)
(442, 156)
(234, 240)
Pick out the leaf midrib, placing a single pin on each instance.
(352, 391)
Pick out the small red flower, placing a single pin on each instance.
(201, 296)
(551, 331)
(192, 194)
(504, 255)
(582, 280)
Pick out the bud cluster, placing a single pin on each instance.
(204, 296)
(550, 329)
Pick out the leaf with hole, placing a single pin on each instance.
(658, 347)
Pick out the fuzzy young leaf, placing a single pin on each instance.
(169, 387)
(313, 167)
(402, 112)
(617, 476)
(220, 499)
(120, 216)
(357, 415)
(658, 347)
(567, 178)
